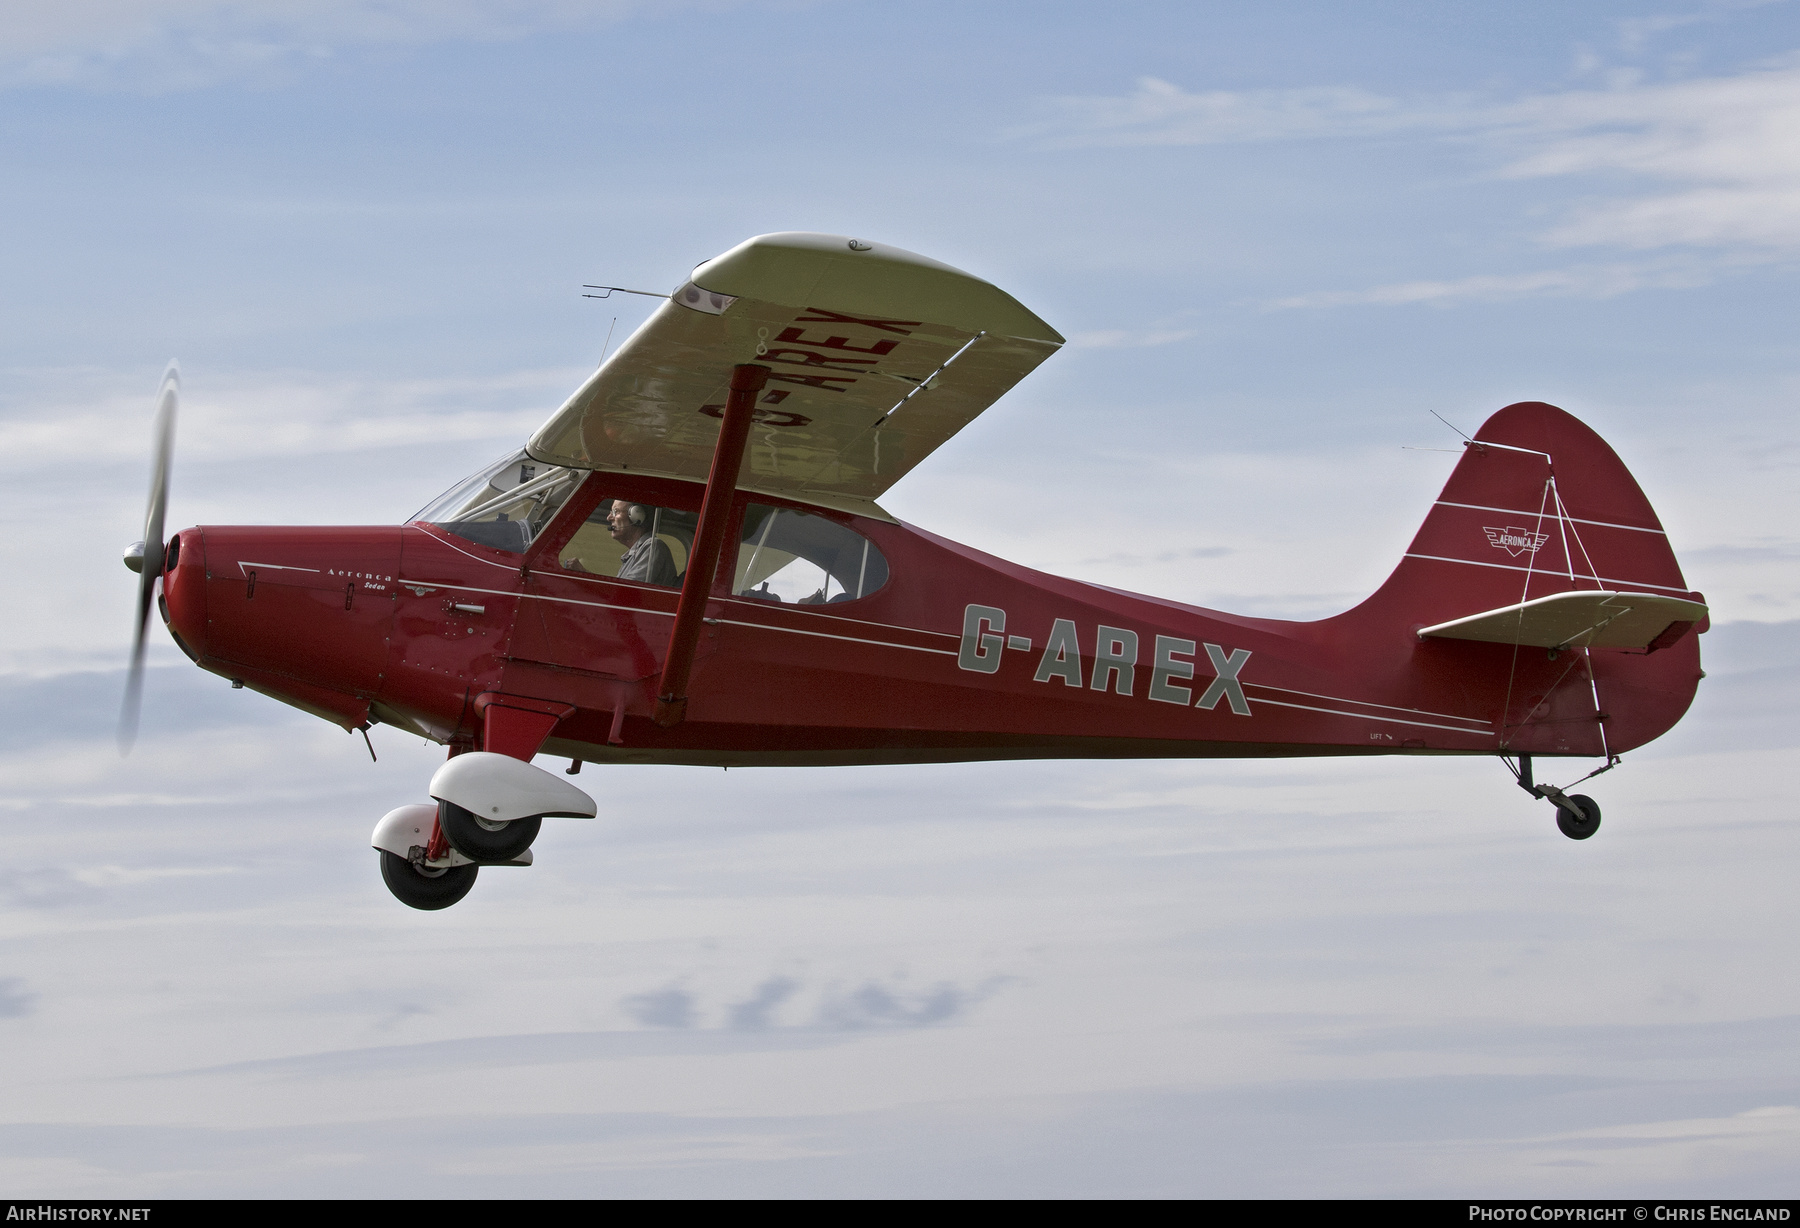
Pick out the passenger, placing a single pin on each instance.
(646, 559)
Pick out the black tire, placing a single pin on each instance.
(1586, 825)
(429, 890)
(469, 837)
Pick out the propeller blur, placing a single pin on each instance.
(168, 404)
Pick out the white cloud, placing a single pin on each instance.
(1711, 217)
(1581, 281)
(1120, 338)
(281, 449)
(1730, 144)
(161, 45)
(113, 876)
(1716, 159)
(1160, 113)
(1698, 1150)
(228, 419)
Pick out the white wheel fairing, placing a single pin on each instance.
(403, 827)
(499, 789)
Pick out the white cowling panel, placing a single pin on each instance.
(500, 789)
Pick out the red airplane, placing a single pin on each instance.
(686, 565)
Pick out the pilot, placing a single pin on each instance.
(646, 559)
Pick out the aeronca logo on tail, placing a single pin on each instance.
(1515, 540)
(1116, 668)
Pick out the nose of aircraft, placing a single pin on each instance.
(184, 591)
(314, 606)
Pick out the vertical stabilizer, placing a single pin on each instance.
(1538, 506)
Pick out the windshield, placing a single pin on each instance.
(505, 505)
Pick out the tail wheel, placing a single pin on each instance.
(481, 839)
(424, 888)
(1583, 827)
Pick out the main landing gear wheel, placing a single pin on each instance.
(1583, 827)
(423, 887)
(481, 839)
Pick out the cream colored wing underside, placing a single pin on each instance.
(876, 357)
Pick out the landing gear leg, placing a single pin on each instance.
(1577, 814)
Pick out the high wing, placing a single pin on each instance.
(876, 357)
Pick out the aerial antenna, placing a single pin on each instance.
(621, 289)
(1451, 425)
(608, 345)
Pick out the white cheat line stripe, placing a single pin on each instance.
(1545, 571)
(1507, 511)
(445, 541)
(633, 609)
(605, 605)
(826, 635)
(1388, 720)
(730, 622)
(243, 566)
(598, 605)
(1363, 703)
(945, 652)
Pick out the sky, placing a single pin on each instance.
(1280, 238)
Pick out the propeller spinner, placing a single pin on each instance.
(147, 556)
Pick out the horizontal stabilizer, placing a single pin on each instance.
(1590, 619)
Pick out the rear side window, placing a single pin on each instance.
(797, 558)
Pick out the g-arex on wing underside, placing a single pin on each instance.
(876, 357)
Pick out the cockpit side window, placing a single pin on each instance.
(801, 559)
(504, 506)
(628, 538)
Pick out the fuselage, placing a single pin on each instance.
(957, 656)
